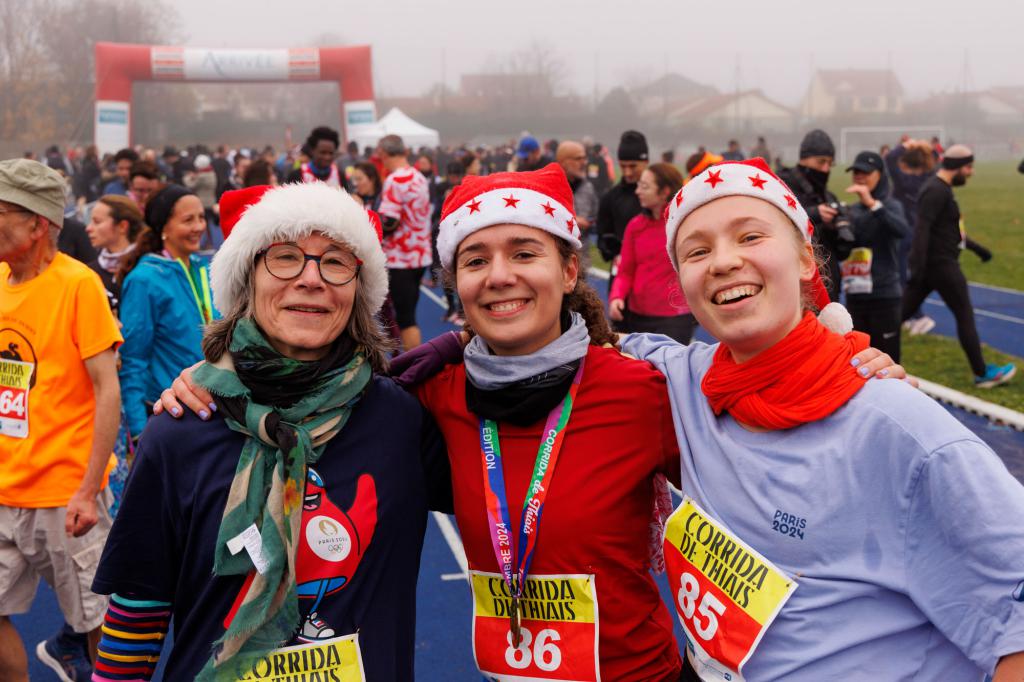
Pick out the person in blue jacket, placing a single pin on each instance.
(165, 300)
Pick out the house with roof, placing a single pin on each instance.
(667, 93)
(851, 92)
(750, 111)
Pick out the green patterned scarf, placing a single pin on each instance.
(269, 482)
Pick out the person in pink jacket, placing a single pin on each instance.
(645, 276)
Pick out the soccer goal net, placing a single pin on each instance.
(857, 139)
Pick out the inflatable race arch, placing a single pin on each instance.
(118, 66)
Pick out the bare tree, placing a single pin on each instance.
(72, 33)
(25, 72)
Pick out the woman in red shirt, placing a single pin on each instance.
(555, 489)
(645, 277)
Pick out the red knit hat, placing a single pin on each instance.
(751, 178)
(541, 199)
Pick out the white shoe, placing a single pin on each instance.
(314, 628)
(921, 325)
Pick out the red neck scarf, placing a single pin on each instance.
(803, 378)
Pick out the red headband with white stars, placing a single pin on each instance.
(540, 199)
(751, 178)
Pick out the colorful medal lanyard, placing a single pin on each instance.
(203, 304)
(515, 562)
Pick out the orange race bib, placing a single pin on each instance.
(337, 660)
(559, 629)
(726, 594)
(15, 377)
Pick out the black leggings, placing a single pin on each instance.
(946, 277)
(880, 319)
(405, 294)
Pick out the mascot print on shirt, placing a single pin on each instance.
(330, 548)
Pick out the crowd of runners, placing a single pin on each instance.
(220, 423)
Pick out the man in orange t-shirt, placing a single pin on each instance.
(59, 411)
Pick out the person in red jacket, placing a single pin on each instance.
(646, 277)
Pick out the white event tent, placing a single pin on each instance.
(396, 122)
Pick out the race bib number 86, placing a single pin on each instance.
(725, 593)
(559, 629)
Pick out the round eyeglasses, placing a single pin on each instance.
(287, 261)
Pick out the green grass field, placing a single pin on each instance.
(992, 204)
(940, 359)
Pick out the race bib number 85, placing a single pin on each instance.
(725, 593)
(560, 629)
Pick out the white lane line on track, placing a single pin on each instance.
(983, 313)
(451, 535)
(433, 297)
(993, 287)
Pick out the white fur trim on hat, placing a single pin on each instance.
(516, 206)
(289, 213)
(726, 180)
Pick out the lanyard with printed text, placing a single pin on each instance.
(515, 562)
(204, 304)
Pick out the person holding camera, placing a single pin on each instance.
(871, 273)
(809, 182)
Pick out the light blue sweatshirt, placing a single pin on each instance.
(910, 563)
(163, 330)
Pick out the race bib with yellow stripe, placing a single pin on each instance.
(726, 594)
(856, 271)
(559, 629)
(15, 377)
(332, 660)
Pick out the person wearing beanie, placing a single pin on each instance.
(284, 528)
(165, 300)
(203, 181)
(619, 205)
(832, 489)
(59, 413)
(934, 261)
(809, 180)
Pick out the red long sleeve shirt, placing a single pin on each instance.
(597, 514)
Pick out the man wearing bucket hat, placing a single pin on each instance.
(59, 410)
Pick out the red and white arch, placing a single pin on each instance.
(118, 66)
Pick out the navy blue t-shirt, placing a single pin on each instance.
(376, 480)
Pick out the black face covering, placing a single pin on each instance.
(959, 180)
(817, 178)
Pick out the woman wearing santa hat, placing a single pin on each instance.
(283, 532)
(556, 442)
(835, 528)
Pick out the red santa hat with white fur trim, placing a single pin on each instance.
(256, 217)
(541, 199)
(751, 178)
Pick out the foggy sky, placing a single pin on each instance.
(603, 43)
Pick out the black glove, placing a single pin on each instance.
(984, 254)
